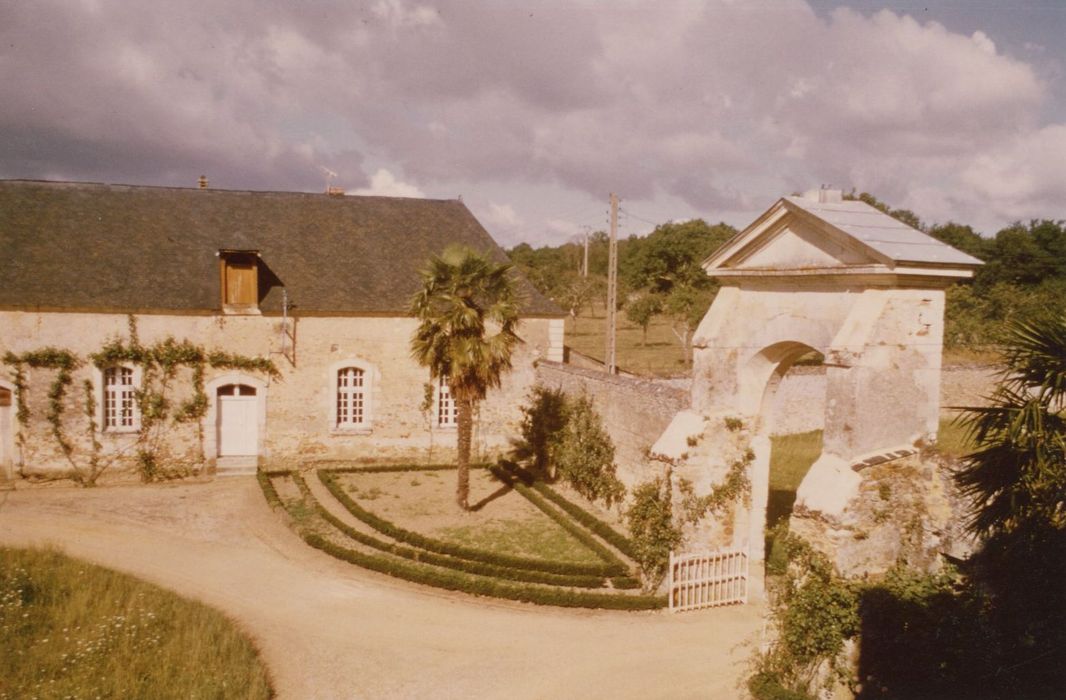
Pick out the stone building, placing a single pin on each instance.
(317, 283)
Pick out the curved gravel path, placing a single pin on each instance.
(327, 629)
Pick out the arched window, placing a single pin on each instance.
(447, 411)
(351, 398)
(120, 410)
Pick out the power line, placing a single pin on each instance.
(638, 218)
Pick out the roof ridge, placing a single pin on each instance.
(215, 190)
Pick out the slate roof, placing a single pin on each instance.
(886, 235)
(90, 246)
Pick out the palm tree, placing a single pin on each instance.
(1017, 474)
(467, 311)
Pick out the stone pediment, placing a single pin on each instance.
(820, 232)
(795, 244)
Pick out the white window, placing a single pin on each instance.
(447, 411)
(120, 411)
(351, 397)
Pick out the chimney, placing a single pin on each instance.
(203, 182)
(824, 194)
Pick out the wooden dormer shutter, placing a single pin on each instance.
(240, 275)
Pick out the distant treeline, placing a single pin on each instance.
(660, 274)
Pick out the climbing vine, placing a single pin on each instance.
(656, 527)
(159, 364)
(64, 363)
(734, 486)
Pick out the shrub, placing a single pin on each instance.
(543, 420)
(563, 437)
(651, 526)
(585, 455)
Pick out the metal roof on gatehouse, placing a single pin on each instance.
(882, 232)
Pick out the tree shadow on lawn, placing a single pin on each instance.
(498, 493)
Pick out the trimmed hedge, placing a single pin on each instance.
(463, 583)
(425, 557)
(386, 468)
(433, 545)
(584, 537)
(605, 531)
(486, 587)
(269, 492)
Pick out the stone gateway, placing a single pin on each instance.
(818, 273)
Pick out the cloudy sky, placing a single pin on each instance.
(534, 111)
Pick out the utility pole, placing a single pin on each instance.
(612, 288)
(585, 265)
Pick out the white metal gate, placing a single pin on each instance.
(238, 421)
(704, 580)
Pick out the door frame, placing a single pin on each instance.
(210, 421)
(8, 460)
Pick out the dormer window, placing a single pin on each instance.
(240, 281)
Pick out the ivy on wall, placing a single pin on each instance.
(160, 364)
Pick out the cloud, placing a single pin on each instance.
(719, 106)
(384, 184)
(500, 216)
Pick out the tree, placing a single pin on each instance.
(671, 255)
(686, 307)
(642, 310)
(467, 313)
(574, 292)
(1017, 474)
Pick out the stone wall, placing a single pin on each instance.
(298, 404)
(799, 404)
(635, 411)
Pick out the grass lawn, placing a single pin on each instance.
(72, 629)
(791, 457)
(662, 356)
(951, 438)
(503, 522)
(537, 538)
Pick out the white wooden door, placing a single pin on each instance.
(238, 421)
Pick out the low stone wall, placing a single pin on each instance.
(635, 411)
(799, 405)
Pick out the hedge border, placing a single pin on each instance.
(434, 559)
(582, 535)
(269, 492)
(430, 544)
(387, 468)
(602, 529)
(459, 582)
(454, 581)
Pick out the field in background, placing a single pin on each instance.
(662, 356)
(72, 629)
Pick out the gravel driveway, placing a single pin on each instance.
(330, 630)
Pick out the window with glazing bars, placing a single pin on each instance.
(351, 397)
(120, 404)
(447, 411)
